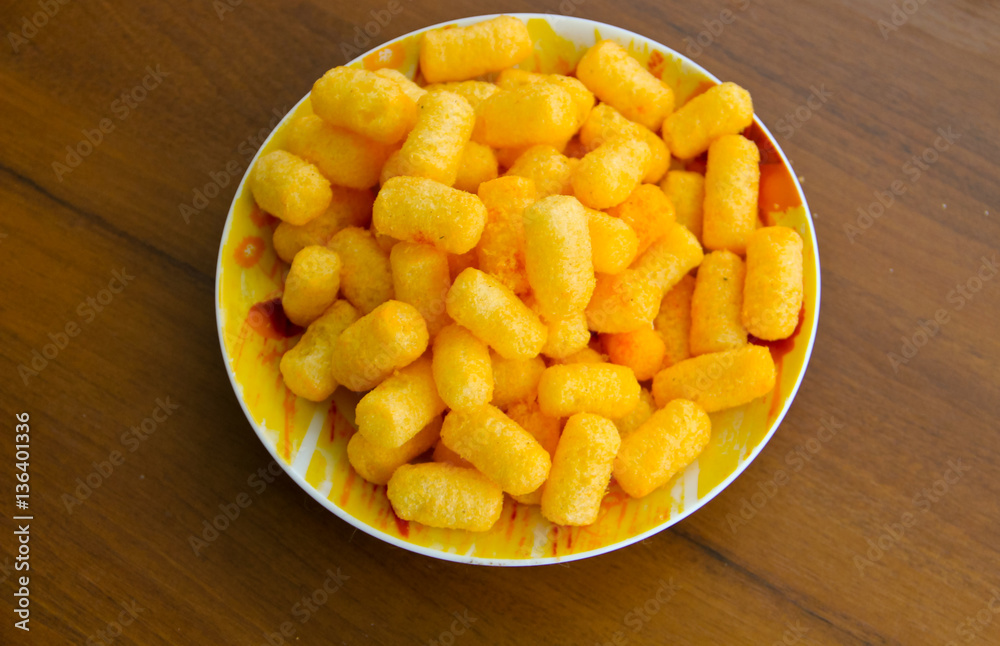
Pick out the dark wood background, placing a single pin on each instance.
(799, 566)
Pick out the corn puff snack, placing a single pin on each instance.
(637, 416)
(443, 495)
(376, 463)
(389, 337)
(621, 81)
(558, 255)
(462, 53)
(344, 157)
(548, 168)
(289, 188)
(673, 322)
(515, 380)
(667, 442)
(603, 389)
(607, 175)
(500, 252)
(365, 274)
(312, 284)
(615, 245)
(686, 191)
(435, 146)
(541, 113)
(772, 298)
(420, 277)
(732, 182)
(716, 304)
(718, 380)
(306, 368)
(581, 470)
(648, 212)
(503, 451)
(463, 370)
(422, 210)
(365, 103)
(477, 166)
(641, 350)
(396, 409)
(725, 109)
(604, 122)
(348, 208)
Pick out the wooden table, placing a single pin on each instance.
(871, 517)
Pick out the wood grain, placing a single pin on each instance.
(790, 568)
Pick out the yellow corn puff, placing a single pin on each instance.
(615, 245)
(443, 495)
(718, 380)
(421, 278)
(496, 315)
(581, 470)
(443, 454)
(391, 336)
(344, 157)
(567, 336)
(603, 389)
(376, 463)
(541, 113)
(312, 284)
(478, 165)
(408, 87)
(773, 295)
(686, 191)
(422, 210)
(641, 350)
(637, 416)
(607, 175)
(732, 181)
(500, 252)
(716, 304)
(434, 147)
(497, 446)
(673, 322)
(604, 122)
(396, 409)
(725, 109)
(648, 212)
(348, 208)
(543, 428)
(289, 188)
(306, 367)
(365, 275)
(666, 443)
(365, 103)
(460, 53)
(583, 98)
(618, 79)
(463, 371)
(558, 255)
(475, 92)
(549, 169)
(515, 380)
